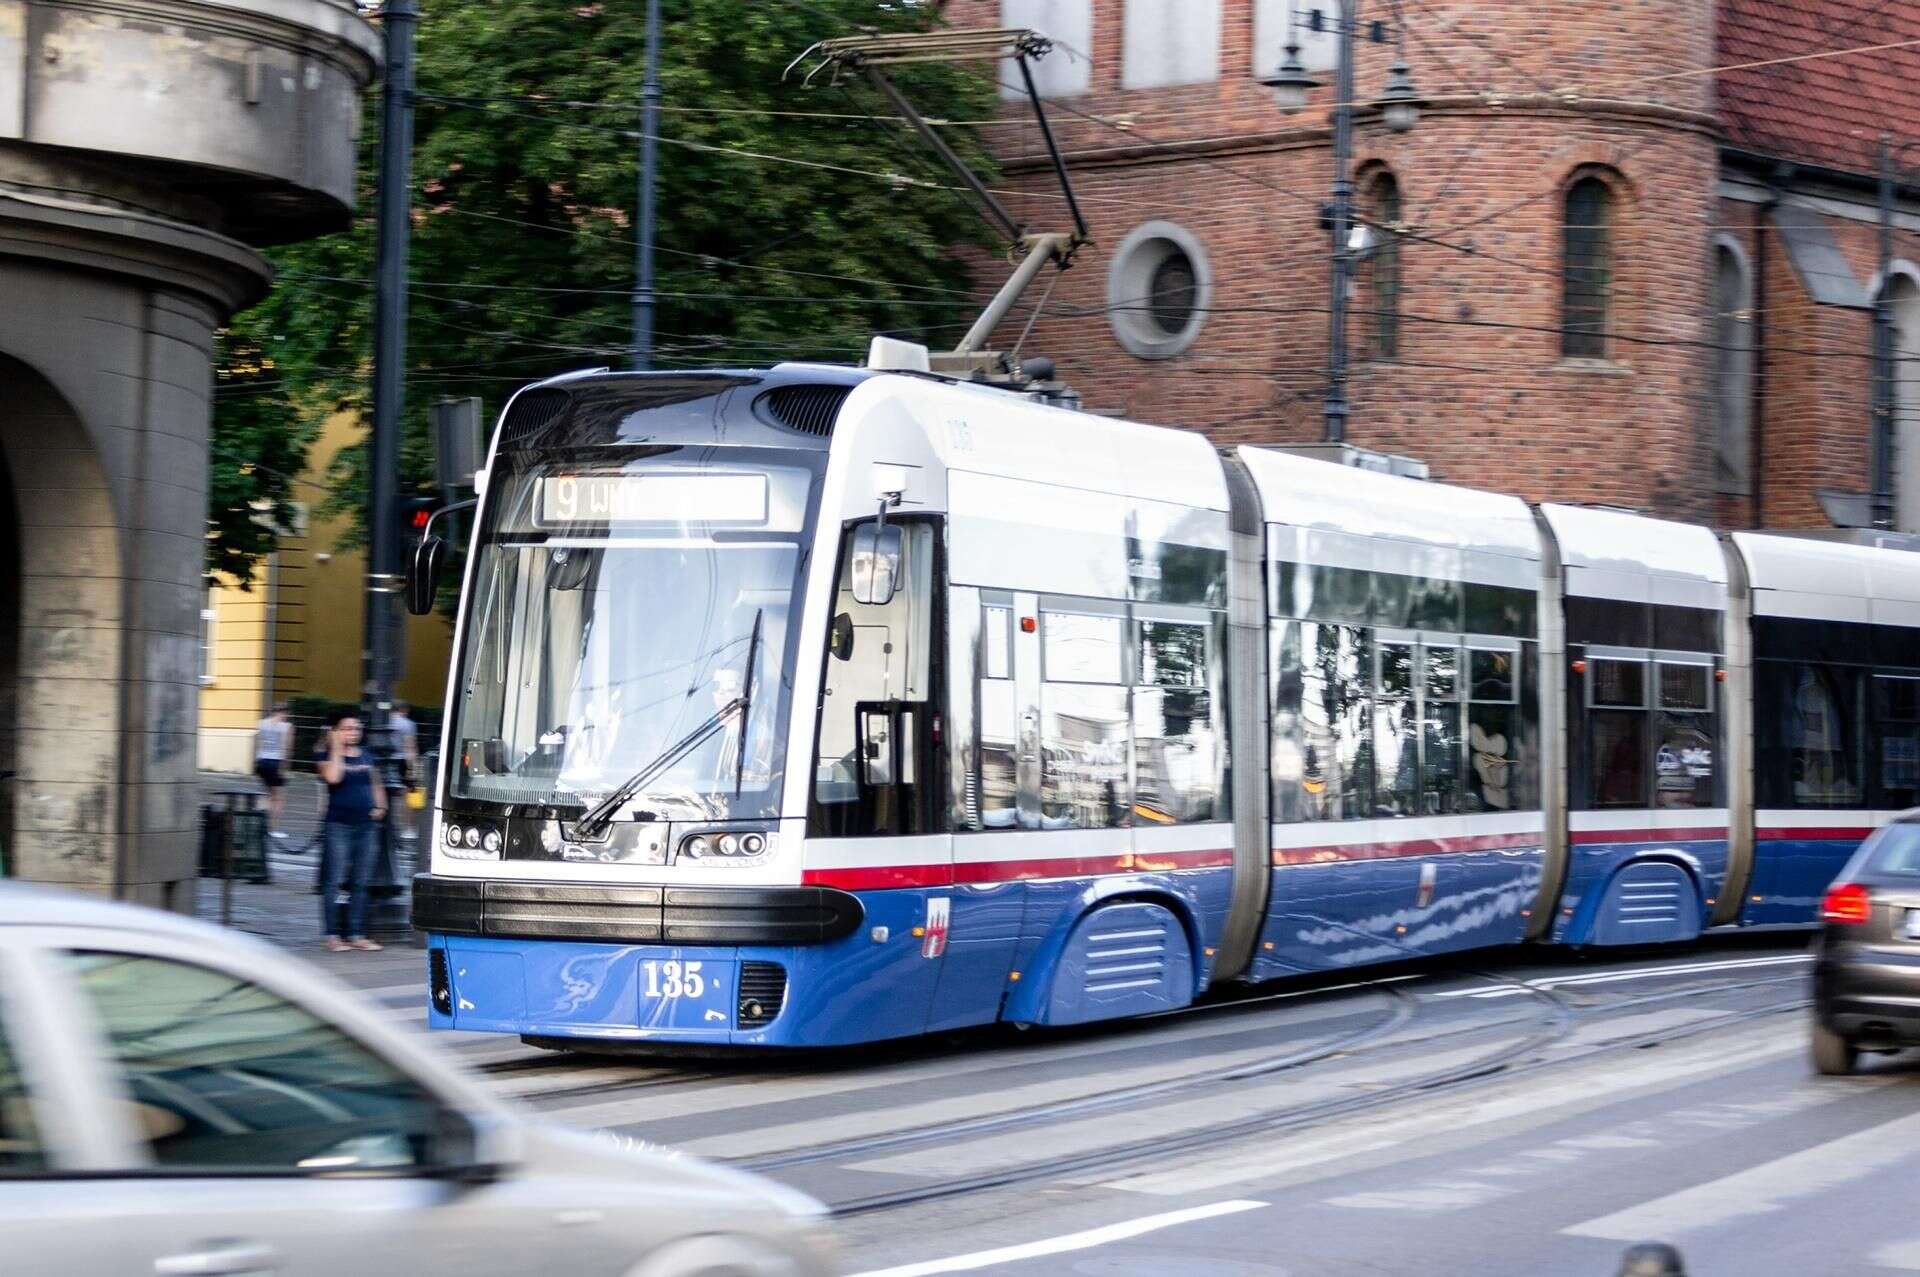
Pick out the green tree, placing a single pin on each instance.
(259, 445)
(792, 222)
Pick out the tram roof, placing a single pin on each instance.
(1828, 580)
(1614, 554)
(1325, 497)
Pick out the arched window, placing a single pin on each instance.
(1733, 371)
(1587, 273)
(1903, 296)
(1383, 281)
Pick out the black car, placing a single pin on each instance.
(1866, 978)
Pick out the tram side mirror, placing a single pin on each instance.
(840, 641)
(876, 563)
(423, 574)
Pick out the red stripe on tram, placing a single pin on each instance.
(1334, 853)
(1815, 833)
(884, 877)
(1704, 833)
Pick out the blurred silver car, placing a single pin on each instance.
(176, 1099)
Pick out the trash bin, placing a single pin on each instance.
(233, 837)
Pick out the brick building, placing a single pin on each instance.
(1632, 256)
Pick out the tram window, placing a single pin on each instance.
(875, 745)
(1499, 609)
(999, 754)
(1177, 759)
(1077, 648)
(1823, 735)
(1898, 711)
(1490, 674)
(1396, 753)
(1396, 669)
(1442, 672)
(1441, 793)
(1393, 599)
(1340, 594)
(1437, 605)
(1084, 739)
(1616, 684)
(1618, 757)
(1493, 750)
(1291, 796)
(996, 624)
(1336, 721)
(1685, 687)
(1173, 654)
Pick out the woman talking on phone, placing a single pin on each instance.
(356, 806)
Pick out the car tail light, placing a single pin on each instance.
(1848, 902)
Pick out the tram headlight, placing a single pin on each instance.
(725, 848)
(473, 841)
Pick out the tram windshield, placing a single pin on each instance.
(630, 628)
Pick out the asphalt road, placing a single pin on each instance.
(1512, 1116)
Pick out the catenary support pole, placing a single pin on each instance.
(1347, 21)
(641, 357)
(380, 627)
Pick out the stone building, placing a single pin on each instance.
(1629, 253)
(145, 154)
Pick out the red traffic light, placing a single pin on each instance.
(421, 517)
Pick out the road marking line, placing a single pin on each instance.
(1522, 988)
(1762, 1189)
(1062, 1245)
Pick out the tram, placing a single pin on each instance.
(811, 705)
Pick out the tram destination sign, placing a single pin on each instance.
(653, 498)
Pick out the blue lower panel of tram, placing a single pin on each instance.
(1791, 874)
(1349, 913)
(1639, 891)
(1063, 951)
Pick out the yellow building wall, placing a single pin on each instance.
(296, 629)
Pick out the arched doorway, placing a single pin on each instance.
(61, 641)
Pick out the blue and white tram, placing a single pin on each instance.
(811, 706)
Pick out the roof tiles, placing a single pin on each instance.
(1829, 110)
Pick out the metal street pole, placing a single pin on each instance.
(394, 208)
(642, 357)
(1880, 445)
(1347, 21)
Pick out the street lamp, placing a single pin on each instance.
(1291, 82)
(1399, 106)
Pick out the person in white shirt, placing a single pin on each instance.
(272, 742)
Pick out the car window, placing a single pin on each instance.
(1896, 850)
(21, 1152)
(227, 1075)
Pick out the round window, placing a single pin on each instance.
(1174, 284)
(1157, 290)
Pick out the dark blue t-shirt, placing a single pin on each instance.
(351, 801)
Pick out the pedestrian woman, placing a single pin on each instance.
(356, 807)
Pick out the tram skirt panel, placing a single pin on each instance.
(1653, 902)
(1123, 959)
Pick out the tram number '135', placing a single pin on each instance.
(673, 979)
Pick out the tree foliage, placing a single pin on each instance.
(524, 193)
(258, 448)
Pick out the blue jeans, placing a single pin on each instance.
(346, 861)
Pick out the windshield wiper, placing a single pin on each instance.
(746, 704)
(595, 822)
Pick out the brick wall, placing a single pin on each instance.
(1520, 100)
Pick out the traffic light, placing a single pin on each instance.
(415, 514)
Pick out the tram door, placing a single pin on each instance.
(876, 771)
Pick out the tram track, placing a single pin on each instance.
(1510, 1060)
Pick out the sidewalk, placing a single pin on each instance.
(286, 909)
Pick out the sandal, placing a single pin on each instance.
(336, 945)
(365, 945)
